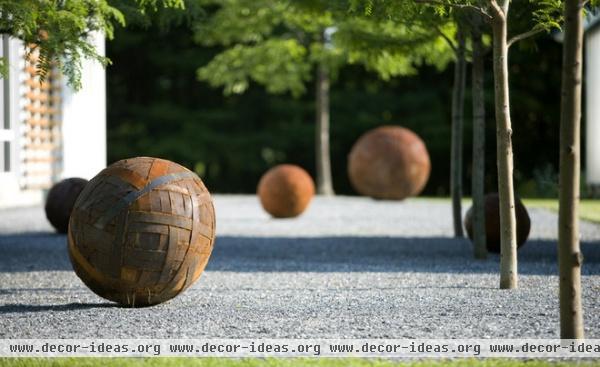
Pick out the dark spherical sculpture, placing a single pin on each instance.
(389, 162)
(60, 201)
(492, 222)
(285, 190)
(142, 231)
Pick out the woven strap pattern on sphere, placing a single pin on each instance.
(142, 231)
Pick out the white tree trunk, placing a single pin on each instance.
(322, 154)
(508, 233)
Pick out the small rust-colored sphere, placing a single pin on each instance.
(492, 222)
(285, 190)
(60, 201)
(141, 231)
(389, 162)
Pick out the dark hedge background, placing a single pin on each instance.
(156, 107)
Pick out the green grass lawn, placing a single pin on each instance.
(589, 209)
(285, 362)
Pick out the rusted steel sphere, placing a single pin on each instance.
(389, 162)
(142, 231)
(492, 222)
(60, 201)
(285, 190)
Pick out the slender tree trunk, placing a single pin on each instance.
(569, 255)
(324, 181)
(478, 171)
(456, 155)
(508, 233)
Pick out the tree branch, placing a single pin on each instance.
(496, 9)
(448, 40)
(458, 6)
(504, 6)
(524, 35)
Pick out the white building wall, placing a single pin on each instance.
(592, 94)
(83, 126)
(84, 121)
(11, 191)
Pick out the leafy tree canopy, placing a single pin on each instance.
(60, 29)
(537, 15)
(277, 43)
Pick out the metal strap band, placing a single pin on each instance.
(134, 195)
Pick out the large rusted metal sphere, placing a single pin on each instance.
(141, 232)
(492, 222)
(60, 201)
(389, 162)
(285, 190)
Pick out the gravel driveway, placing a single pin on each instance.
(349, 267)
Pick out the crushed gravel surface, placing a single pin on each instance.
(348, 268)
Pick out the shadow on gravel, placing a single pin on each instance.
(381, 254)
(4, 291)
(21, 308)
(32, 235)
(35, 252)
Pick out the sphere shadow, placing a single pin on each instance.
(382, 254)
(48, 252)
(24, 308)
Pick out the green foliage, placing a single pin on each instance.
(154, 4)
(239, 21)
(279, 64)
(273, 43)
(277, 43)
(157, 107)
(165, 14)
(536, 15)
(60, 29)
(392, 49)
(3, 66)
(547, 14)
